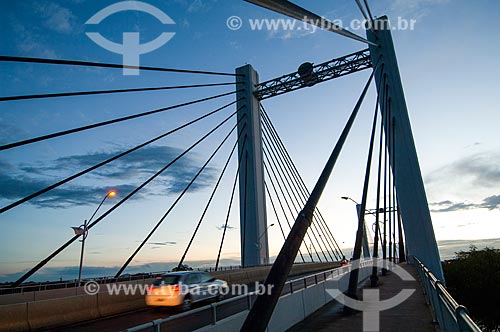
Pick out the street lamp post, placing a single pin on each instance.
(260, 237)
(372, 212)
(365, 245)
(82, 230)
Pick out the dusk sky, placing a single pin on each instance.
(449, 70)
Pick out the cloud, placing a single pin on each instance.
(165, 243)
(490, 203)
(447, 202)
(30, 42)
(286, 34)
(477, 170)
(200, 5)
(15, 187)
(124, 175)
(10, 133)
(417, 9)
(158, 244)
(460, 206)
(228, 227)
(55, 17)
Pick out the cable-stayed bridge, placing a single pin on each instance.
(267, 185)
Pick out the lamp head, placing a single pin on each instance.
(111, 193)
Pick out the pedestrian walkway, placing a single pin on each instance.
(413, 315)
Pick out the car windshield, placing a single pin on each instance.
(167, 280)
(205, 277)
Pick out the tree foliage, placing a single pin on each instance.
(473, 279)
(183, 267)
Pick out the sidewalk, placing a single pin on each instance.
(413, 315)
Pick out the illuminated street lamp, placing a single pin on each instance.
(260, 237)
(264, 232)
(83, 231)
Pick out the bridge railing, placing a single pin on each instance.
(450, 315)
(42, 286)
(50, 285)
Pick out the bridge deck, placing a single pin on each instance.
(413, 315)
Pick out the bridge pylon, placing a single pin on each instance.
(253, 216)
(413, 206)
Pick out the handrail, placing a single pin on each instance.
(449, 314)
(42, 286)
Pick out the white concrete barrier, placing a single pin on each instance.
(57, 312)
(14, 317)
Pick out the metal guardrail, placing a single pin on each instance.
(42, 286)
(449, 314)
(49, 285)
(212, 313)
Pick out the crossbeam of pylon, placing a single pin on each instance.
(322, 72)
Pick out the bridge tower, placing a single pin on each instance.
(413, 205)
(253, 217)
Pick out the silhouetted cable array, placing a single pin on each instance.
(368, 10)
(369, 16)
(361, 229)
(378, 235)
(92, 168)
(393, 133)
(283, 180)
(268, 125)
(384, 242)
(268, 166)
(318, 219)
(300, 201)
(99, 92)
(362, 9)
(4, 58)
(210, 200)
(391, 223)
(283, 208)
(294, 190)
(105, 123)
(184, 191)
(123, 200)
(275, 211)
(389, 176)
(230, 204)
(299, 182)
